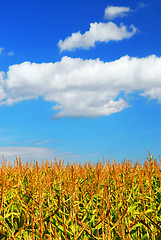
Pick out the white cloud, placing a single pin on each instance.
(2, 93)
(37, 141)
(98, 32)
(32, 141)
(33, 153)
(141, 5)
(1, 50)
(42, 142)
(84, 88)
(11, 53)
(27, 153)
(112, 12)
(2, 90)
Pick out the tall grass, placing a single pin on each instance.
(80, 201)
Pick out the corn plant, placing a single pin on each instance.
(105, 201)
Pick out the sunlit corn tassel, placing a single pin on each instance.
(17, 161)
(20, 165)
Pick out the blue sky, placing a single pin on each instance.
(80, 80)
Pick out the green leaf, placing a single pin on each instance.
(145, 237)
(132, 208)
(9, 224)
(61, 228)
(159, 208)
(135, 227)
(149, 211)
(11, 214)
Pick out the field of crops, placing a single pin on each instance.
(80, 201)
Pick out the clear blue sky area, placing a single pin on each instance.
(80, 80)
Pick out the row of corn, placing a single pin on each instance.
(53, 200)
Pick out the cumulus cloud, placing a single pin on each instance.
(84, 88)
(112, 12)
(98, 32)
(2, 90)
(2, 93)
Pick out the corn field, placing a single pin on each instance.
(80, 201)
